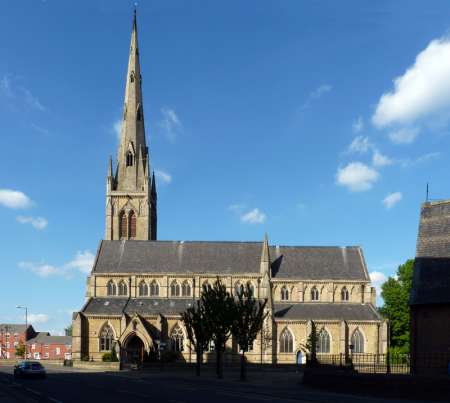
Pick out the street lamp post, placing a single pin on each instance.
(26, 327)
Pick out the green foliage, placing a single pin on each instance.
(20, 349)
(110, 356)
(68, 330)
(395, 292)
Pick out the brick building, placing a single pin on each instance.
(11, 335)
(46, 347)
(430, 293)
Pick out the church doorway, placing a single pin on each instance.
(134, 351)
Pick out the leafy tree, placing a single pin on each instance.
(68, 330)
(310, 347)
(248, 320)
(395, 292)
(219, 314)
(20, 349)
(198, 331)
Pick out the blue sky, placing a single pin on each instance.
(319, 122)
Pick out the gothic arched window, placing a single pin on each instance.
(139, 113)
(129, 159)
(154, 288)
(132, 224)
(175, 289)
(132, 77)
(123, 225)
(323, 342)
(186, 289)
(123, 289)
(111, 288)
(106, 338)
(238, 288)
(286, 342)
(314, 294)
(177, 338)
(344, 294)
(357, 341)
(251, 289)
(143, 289)
(284, 293)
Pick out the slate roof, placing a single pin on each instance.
(143, 306)
(12, 328)
(431, 278)
(46, 338)
(296, 262)
(326, 311)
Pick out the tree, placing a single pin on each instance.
(68, 330)
(198, 331)
(219, 314)
(20, 349)
(395, 292)
(248, 320)
(310, 347)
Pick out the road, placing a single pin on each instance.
(64, 385)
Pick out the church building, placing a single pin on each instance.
(139, 285)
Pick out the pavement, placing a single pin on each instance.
(67, 385)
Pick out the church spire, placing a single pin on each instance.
(133, 152)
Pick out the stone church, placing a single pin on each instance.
(139, 285)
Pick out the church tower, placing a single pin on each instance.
(131, 190)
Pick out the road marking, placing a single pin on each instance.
(54, 400)
(34, 392)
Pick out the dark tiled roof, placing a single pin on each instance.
(434, 230)
(142, 306)
(45, 338)
(323, 311)
(12, 328)
(431, 281)
(229, 258)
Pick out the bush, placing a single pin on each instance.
(109, 357)
(169, 356)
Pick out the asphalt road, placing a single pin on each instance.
(64, 385)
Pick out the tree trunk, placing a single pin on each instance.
(199, 361)
(243, 367)
(219, 368)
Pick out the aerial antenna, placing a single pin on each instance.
(427, 193)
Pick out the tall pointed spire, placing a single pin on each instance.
(132, 134)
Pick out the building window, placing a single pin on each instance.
(177, 338)
(212, 346)
(132, 225)
(132, 77)
(249, 347)
(16, 337)
(357, 341)
(106, 338)
(251, 289)
(7, 336)
(238, 289)
(37, 356)
(143, 289)
(344, 294)
(323, 342)
(314, 294)
(123, 225)
(33, 346)
(129, 159)
(111, 288)
(45, 355)
(186, 289)
(57, 351)
(175, 289)
(284, 293)
(123, 289)
(286, 342)
(139, 113)
(7, 345)
(154, 288)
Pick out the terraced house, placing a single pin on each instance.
(139, 285)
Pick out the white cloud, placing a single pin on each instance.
(37, 318)
(316, 94)
(360, 145)
(165, 177)
(236, 207)
(379, 160)
(422, 91)
(358, 125)
(5, 85)
(421, 159)
(171, 123)
(33, 101)
(405, 135)
(14, 199)
(377, 278)
(357, 177)
(254, 216)
(117, 125)
(82, 262)
(37, 222)
(392, 199)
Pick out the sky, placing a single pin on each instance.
(318, 122)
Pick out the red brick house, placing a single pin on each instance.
(46, 347)
(11, 335)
